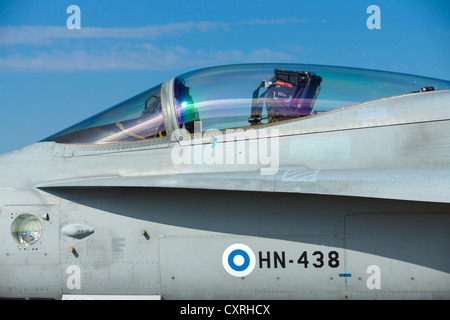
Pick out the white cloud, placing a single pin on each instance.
(50, 48)
(272, 21)
(44, 35)
(143, 57)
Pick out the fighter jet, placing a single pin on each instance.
(256, 181)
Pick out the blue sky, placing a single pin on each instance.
(52, 77)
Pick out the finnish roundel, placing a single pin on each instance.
(238, 260)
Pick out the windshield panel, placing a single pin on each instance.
(135, 119)
(245, 95)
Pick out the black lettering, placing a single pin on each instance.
(333, 262)
(303, 259)
(319, 259)
(261, 260)
(281, 260)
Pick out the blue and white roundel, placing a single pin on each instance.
(238, 260)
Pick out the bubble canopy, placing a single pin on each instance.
(240, 96)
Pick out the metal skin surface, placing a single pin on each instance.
(357, 208)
